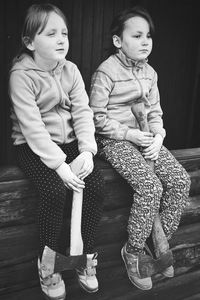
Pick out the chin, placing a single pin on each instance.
(60, 57)
(143, 57)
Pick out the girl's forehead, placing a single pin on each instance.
(53, 20)
(136, 23)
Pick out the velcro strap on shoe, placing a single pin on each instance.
(90, 268)
(90, 271)
(91, 263)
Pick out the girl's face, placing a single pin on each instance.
(136, 41)
(52, 44)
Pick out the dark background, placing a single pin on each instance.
(175, 56)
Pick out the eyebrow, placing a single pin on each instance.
(55, 29)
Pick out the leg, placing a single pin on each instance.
(92, 208)
(147, 188)
(52, 196)
(176, 185)
(93, 196)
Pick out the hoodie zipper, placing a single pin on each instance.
(141, 87)
(60, 98)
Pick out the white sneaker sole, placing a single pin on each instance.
(63, 297)
(84, 287)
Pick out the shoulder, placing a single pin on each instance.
(107, 69)
(107, 65)
(71, 70)
(69, 64)
(19, 77)
(150, 71)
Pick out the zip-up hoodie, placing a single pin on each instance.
(115, 85)
(50, 108)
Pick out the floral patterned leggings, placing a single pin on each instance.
(165, 190)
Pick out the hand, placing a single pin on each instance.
(153, 150)
(140, 138)
(86, 160)
(71, 181)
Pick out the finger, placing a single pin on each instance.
(77, 184)
(68, 186)
(76, 187)
(146, 133)
(86, 170)
(151, 156)
(77, 181)
(86, 173)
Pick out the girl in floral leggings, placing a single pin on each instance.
(119, 81)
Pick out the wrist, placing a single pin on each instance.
(89, 153)
(159, 137)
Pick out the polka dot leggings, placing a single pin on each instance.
(165, 190)
(55, 199)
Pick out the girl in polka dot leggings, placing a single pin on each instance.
(52, 126)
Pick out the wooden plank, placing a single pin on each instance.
(18, 201)
(21, 242)
(193, 297)
(18, 241)
(190, 158)
(179, 287)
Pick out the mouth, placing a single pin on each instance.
(144, 50)
(60, 50)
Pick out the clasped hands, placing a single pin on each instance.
(151, 144)
(72, 181)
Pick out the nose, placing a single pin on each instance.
(60, 39)
(145, 41)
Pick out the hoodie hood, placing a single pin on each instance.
(26, 62)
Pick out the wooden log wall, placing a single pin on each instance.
(19, 240)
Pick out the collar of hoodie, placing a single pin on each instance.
(128, 62)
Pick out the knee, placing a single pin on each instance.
(181, 181)
(54, 194)
(95, 184)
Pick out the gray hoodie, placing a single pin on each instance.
(50, 108)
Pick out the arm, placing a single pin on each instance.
(83, 125)
(30, 121)
(155, 115)
(155, 123)
(82, 115)
(101, 88)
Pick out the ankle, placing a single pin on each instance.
(133, 249)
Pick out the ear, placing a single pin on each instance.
(28, 43)
(117, 41)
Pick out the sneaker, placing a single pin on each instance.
(131, 263)
(87, 276)
(53, 287)
(168, 272)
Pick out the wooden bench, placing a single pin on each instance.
(19, 240)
